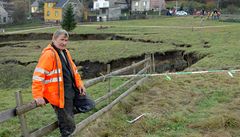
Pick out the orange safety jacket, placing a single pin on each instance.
(48, 77)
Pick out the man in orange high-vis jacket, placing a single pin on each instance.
(56, 80)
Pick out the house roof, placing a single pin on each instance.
(51, 0)
(61, 3)
(8, 7)
(3, 11)
(36, 3)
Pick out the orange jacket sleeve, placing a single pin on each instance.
(44, 66)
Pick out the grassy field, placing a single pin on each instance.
(30, 25)
(185, 106)
(46, 115)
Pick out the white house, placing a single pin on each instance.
(140, 5)
(100, 4)
(145, 5)
(108, 10)
(3, 15)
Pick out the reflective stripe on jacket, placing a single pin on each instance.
(48, 77)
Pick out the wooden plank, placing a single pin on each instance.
(117, 72)
(32, 105)
(22, 119)
(27, 107)
(94, 116)
(49, 128)
(7, 114)
(45, 130)
(21, 109)
(102, 98)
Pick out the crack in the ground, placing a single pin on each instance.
(176, 60)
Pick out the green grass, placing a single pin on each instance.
(185, 106)
(46, 115)
(31, 25)
(140, 26)
(222, 52)
(171, 114)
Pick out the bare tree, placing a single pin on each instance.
(20, 12)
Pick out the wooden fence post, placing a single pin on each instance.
(147, 63)
(150, 64)
(21, 117)
(109, 81)
(153, 63)
(134, 69)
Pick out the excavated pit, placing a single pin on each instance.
(175, 60)
(116, 37)
(17, 62)
(15, 44)
(171, 61)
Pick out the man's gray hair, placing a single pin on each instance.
(59, 32)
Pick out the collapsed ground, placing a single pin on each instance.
(176, 48)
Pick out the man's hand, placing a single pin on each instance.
(82, 91)
(40, 102)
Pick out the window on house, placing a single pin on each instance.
(49, 5)
(136, 3)
(105, 4)
(4, 19)
(104, 11)
(144, 3)
(48, 13)
(56, 13)
(97, 5)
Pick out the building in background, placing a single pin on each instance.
(3, 15)
(36, 6)
(141, 5)
(109, 9)
(146, 5)
(102, 6)
(6, 11)
(157, 5)
(54, 10)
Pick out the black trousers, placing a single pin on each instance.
(65, 116)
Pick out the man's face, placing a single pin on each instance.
(61, 41)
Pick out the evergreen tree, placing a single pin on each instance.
(68, 22)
